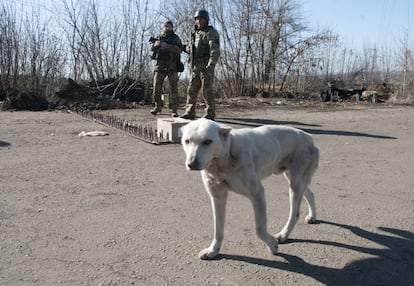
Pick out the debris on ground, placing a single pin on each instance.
(93, 133)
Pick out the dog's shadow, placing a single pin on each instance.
(392, 263)
(255, 122)
(4, 144)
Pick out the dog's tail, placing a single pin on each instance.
(313, 162)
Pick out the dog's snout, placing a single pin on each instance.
(193, 165)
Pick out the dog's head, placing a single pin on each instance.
(203, 141)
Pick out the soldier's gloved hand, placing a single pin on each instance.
(210, 70)
(157, 44)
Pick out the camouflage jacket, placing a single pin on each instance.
(166, 59)
(206, 45)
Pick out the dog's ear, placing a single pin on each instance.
(224, 132)
(181, 130)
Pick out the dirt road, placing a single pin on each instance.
(114, 210)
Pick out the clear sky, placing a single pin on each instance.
(363, 23)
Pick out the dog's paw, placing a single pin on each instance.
(207, 254)
(310, 219)
(273, 247)
(281, 237)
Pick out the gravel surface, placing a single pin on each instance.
(114, 210)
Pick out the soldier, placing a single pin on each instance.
(166, 51)
(205, 52)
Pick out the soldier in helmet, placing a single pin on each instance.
(166, 52)
(205, 51)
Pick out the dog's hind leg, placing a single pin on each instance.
(259, 205)
(310, 199)
(297, 188)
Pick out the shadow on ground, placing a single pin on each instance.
(4, 144)
(255, 122)
(392, 262)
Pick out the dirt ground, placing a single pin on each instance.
(114, 210)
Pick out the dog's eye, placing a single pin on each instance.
(207, 142)
(186, 141)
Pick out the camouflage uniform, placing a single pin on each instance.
(206, 45)
(166, 66)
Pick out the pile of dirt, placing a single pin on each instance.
(15, 100)
(106, 94)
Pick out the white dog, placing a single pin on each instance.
(238, 159)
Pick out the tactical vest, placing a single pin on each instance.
(204, 41)
(165, 55)
(201, 45)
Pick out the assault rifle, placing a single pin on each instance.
(152, 40)
(193, 42)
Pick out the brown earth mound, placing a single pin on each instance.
(15, 100)
(106, 94)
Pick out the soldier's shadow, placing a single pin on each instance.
(392, 262)
(255, 122)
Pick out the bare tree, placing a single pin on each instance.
(31, 56)
(9, 48)
(108, 46)
(265, 46)
(406, 62)
(234, 21)
(261, 42)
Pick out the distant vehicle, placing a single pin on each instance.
(336, 94)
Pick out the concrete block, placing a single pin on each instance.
(168, 129)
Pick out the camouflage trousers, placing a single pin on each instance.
(159, 78)
(201, 82)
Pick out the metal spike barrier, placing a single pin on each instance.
(139, 131)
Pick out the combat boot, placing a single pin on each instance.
(155, 110)
(187, 115)
(174, 113)
(208, 116)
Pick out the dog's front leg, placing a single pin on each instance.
(218, 203)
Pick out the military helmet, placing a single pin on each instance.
(202, 14)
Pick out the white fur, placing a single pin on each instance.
(238, 159)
